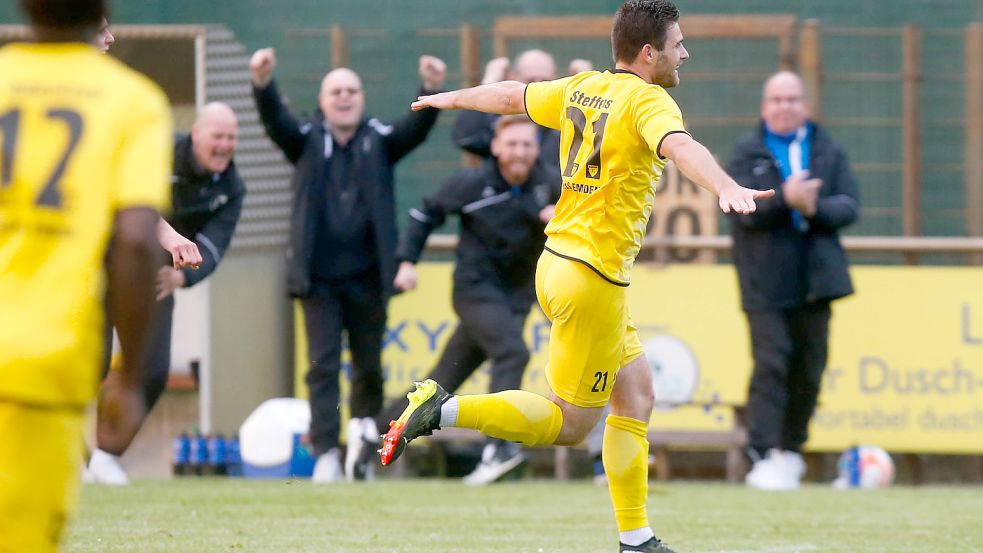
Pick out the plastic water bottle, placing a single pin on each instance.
(216, 455)
(302, 460)
(199, 453)
(182, 455)
(233, 458)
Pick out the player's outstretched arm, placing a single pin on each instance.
(697, 163)
(505, 98)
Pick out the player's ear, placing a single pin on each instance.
(649, 53)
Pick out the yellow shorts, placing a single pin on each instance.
(40, 460)
(592, 335)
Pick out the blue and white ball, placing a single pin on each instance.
(866, 467)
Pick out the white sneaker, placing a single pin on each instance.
(104, 468)
(795, 467)
(497, 459)
(363, 440)
(772, 473)
(327, 469)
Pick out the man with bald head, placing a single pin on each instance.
(791, 266)
(473, 130)
(341, 260)
(206, 198)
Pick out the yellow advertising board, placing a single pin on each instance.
(906, 352)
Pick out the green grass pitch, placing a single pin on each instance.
(429, 516)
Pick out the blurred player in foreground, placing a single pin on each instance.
(617, 129)
(84, 166)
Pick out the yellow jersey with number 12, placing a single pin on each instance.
(82, 137)
(611, 126)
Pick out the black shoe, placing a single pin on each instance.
(653, 545)
(420, 418)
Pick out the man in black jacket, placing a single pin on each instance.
(504, 206)
(340, 260)
(206, 198)
(791, 266)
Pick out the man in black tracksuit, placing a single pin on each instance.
(206, 201)
(791, 266)
(504, 206)
(340, 260)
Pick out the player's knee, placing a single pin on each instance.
(637, 404)
(577, 424)
(572, 434)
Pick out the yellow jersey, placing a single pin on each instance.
(82, 137)
(611, 126)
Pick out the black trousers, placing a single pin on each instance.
(356, 305)
(790, 349)
(158, 359)
(486, 330)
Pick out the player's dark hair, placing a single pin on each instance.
(65, 14)
(641, 22)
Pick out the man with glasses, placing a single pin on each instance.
(341, 257)
(791, 266)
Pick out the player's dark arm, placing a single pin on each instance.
(132, 267)
(281, 126)
(504, 98)
(432, 214)
(840, 207)
(697, 163)
(771, 212)
(473, 132)
(409, 131)
(215, 236)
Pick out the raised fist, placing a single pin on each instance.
(261, 65)
(433, 71)
(579, 66)
(496, 70)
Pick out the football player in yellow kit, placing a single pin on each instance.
(617, 130)
(84, 168)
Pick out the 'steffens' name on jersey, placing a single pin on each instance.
(596, 102)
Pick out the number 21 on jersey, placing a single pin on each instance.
(593, 165)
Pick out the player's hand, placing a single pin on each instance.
(802, 193)
(496, 71)
(169, 279)
(433, 71)
(444, 100)
(579, 65)
(184, 252)
(121, 410)
(261, 65)
(738, 199)
(406, 277)
(547, 212)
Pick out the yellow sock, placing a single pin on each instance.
(625, 454)
(512, 415)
